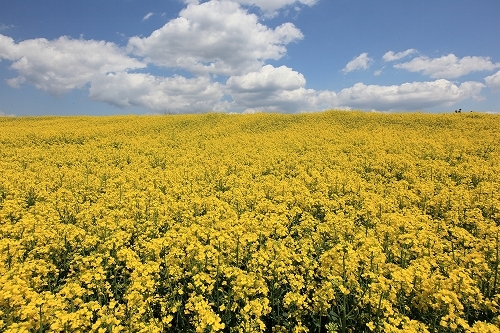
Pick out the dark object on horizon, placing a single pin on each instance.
(459, 111)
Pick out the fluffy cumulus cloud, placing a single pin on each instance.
(6, 48)
(363, 61)
(275, 89)
(268, 78)
(296, 100)
(448, 66)
(493, 81)
(61, 65)
(171, 94)
(217, 37)
(409, 96)
(268, 6)
(391, 56)
(255, 91)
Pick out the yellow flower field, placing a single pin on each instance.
(326, 222)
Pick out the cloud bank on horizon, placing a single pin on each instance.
(225, 57)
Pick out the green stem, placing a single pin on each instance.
(40, 330)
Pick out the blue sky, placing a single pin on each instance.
(100, 57)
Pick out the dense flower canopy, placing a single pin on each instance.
(334, 221)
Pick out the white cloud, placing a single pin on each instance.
(363, 61)
(268, 78)
(217, 37)
(391, 56)
(5, 27)
(493, 81)
(173, 94)
(276, 89)
(271, 89)
(268, 6)
(296, 100)
(147, 16)
(408, 96)
(448, 66)
(61, 65)
(7, 48)
(3, 114)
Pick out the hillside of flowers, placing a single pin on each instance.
(326, 222)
